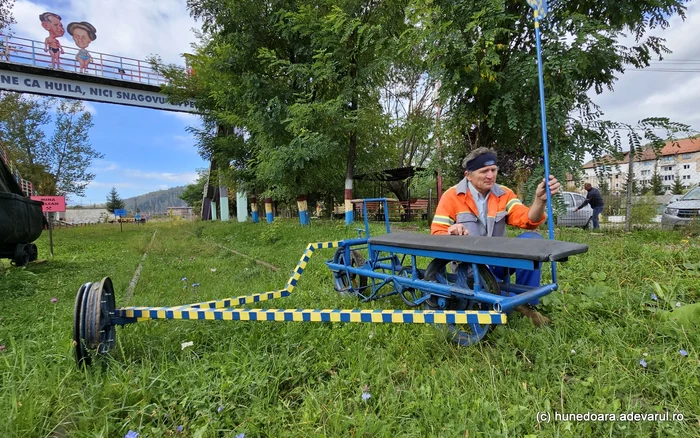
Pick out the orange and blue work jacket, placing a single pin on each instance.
(457, 206)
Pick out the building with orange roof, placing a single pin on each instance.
(679, 160)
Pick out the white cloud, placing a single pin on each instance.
(177, 178)
(128, 28)
(649, 93)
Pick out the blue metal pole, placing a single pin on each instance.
(545, 145)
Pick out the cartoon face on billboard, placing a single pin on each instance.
(83, 34)
(52, 23)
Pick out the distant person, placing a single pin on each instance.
(595, 200)
(52, 23)
(83, 34)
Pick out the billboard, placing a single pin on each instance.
(31, 83)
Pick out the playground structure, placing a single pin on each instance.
(468, 300)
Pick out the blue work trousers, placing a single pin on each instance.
(525, 277)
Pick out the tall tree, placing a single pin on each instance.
(70, 153)
(484, 53)
(114, 202)
(678, 188)
(57, 166)
(657, 185)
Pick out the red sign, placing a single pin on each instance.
(51, 203)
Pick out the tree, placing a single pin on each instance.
(678, 187)
(300, 79)
(484, 54)
(114, 202)
(70, 154)
(194, 192)
(57, 166)
(657, 185)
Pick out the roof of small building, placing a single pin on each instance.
(685, 146)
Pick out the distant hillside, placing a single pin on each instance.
(156, 202)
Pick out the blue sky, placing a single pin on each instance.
(144, 149)
(147, 150)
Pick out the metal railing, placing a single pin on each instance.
(29, 52)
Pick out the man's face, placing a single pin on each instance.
(54, 26)
(483, 179)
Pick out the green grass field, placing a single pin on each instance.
(307, 379)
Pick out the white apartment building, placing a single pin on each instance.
(681, 160)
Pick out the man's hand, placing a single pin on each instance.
(554, 187)
(457, 230)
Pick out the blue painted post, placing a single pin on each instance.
(268, 210)
(303, 210)
(349, 219)
(254, 209)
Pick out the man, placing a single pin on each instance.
(52, 23)
(480, 207)
(595, 199)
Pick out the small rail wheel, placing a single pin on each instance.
(348, 283)
(467, 334)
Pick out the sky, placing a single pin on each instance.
(146, 150)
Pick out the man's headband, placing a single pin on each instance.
(480, 161)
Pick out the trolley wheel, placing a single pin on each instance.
(33, 252)
(467, 334)
(93, 328)
(22, 255)
(345, 282)
(409, 295)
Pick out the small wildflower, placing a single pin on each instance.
(131, 434)
(645, 354)
(179, 429)
(54, 300)
(195, 285)
(2, 348)
(366, 396)
(183, 279)
(186, 344)
(643, 363)
(683, 353)
(213, 269)
(678, 304)
(219, 409)
(654, 297)
(240, 435)
(573, 351)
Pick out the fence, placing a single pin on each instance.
(30, 52)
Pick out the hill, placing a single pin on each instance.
(156, 202)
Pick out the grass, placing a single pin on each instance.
(307, 379)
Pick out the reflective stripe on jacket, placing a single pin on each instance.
(458, 206)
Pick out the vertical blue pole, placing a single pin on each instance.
(268, 211)
(545, 145)
(254, 210)
(349, 214)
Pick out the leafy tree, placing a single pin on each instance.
(484, 54)
(6, 17)
(70, 154)
(300, 79)
(678, 188)
(194, 192)
(57, 166)
(604, 187)
(114, 202)
(657, 185)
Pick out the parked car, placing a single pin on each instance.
(683, 211)
(571, 218)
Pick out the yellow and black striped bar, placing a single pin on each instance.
(291, 284)
(265, 296)
(319, 315)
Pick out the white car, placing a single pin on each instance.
(571, 218)
(682, 212)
